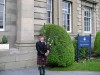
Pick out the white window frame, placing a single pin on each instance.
(90, 26)
(70, 30)
(3, 17)
(50, 12)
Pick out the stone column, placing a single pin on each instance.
(55, 11)
(25, 22)
(60, 12)
(94, 22)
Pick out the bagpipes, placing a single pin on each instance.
(48, 44)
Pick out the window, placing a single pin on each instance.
(49, 11)
(66, 9)
(2, 14)
(87, 19)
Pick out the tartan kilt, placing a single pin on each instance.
(41, 60)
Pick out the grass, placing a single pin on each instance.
(86, 65)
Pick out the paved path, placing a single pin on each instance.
(34, 71)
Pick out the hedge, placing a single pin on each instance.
(97, 44)
(62, 50)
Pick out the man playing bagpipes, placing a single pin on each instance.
(42, 53)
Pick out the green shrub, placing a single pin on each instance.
(62, 50)
(97, 44)
(84, 52)
(4, 39)
(75, 44)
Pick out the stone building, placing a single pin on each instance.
(21, 20)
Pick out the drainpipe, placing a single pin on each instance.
(82, 24)
(59, 11)
(81, 19)
(94, 16)
(58, 18)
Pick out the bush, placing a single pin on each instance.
(75, 44)
(4, 39)
(84, 52)
(62, 50)
(97, 44)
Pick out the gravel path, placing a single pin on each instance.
(34, 71)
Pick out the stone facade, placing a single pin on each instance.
(10, 21)
(24, 19)
(40, 16)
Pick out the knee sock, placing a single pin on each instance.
(40, 70)
(43, 67)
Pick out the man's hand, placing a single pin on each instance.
(47, 53)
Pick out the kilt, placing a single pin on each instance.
(41, 60)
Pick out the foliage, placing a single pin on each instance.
(4, 39)
(62, 50)
(97, 44)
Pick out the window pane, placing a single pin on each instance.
(66, 12)
(49, 7)
(49, 11)
(85, 13)
(49, 3)
(66, 6)
(1, 27)
(66, 15)
(68, 23)
(1, 24)
(68, 28)
(63, 5)
(1, 1)
(65, 26)
(48, 20)
(65, 19)
(1, 15)
(87, 19)
(69, 8)
(1, 8)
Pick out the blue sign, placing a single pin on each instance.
(84, 42)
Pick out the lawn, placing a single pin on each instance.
(86, 65)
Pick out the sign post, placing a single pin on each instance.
(84, 42)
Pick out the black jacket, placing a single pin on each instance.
(41, 48)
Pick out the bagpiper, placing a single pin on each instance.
(42, 52)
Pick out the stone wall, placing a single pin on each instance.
(15, 58)
(30, 17)
(20, 33)
(10, 22)
(40, 16)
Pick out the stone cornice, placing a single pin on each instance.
(92, 1)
